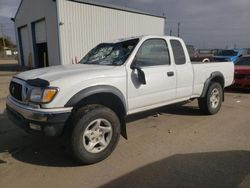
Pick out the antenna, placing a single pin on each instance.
(179, 29)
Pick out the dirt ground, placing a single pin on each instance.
(8, 68)
(175, 146)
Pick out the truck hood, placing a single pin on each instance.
(226, 58)
(64, 71)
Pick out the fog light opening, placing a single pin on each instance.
(35, 127)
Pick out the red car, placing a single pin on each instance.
(242, 72)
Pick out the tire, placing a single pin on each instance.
(94, 134)
(206, 60)
(212, 102)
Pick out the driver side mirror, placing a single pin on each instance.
(141, 74)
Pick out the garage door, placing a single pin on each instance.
(41, 44)
(24, 37)
(40, 32)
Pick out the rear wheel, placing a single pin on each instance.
(95, 134)
(211, 103)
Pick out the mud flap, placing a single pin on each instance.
(124, 129)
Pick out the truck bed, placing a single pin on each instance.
(202, 71)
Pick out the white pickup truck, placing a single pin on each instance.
(90, 101)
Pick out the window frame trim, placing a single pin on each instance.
(169, 55)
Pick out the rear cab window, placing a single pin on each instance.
(179, 54)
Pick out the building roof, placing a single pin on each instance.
(107, 5)
(111, 6)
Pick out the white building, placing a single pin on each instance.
(54, 32)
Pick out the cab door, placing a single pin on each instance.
(153, 59)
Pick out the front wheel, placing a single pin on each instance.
(211, 103)
(95, 134)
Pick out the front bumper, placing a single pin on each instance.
(49, 122)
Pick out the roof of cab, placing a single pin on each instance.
(140, 38)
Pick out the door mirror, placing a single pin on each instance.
(141, 74)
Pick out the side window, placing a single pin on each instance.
(153, 52)
(178, 51)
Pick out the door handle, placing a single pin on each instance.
(170, 74)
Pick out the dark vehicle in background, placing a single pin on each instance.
(232, 55)
(192, 52)
(206, 55)
(200, 55)
(242, 72)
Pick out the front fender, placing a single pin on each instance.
(95, 90)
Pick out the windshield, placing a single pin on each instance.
(245, 61)
(110, 53)
(226, 53)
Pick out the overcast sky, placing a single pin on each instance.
(204, 23)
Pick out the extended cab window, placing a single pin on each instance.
(178, 51)
(153, 52)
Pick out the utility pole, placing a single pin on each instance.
(165, 23)
(171, 32)
(179, 29)
(1, 28)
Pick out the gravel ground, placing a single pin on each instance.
(176, 146)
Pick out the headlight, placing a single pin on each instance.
(42, 95)
(36, 95)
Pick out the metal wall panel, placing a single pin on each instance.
(25, 45)
(83, 26)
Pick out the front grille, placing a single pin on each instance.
(16, 90)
